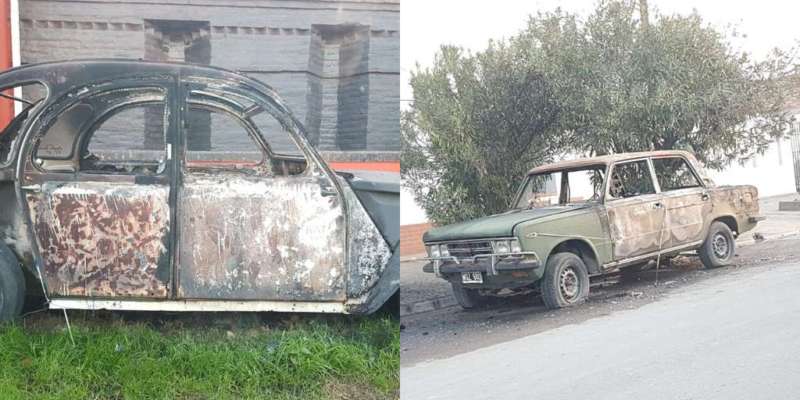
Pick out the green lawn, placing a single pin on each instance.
(299, 357)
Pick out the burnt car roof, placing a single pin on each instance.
(607, 159)
(61, 76)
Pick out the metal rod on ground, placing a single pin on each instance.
(660, 241)
(69, 328)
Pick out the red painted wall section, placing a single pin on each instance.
(384, 166)
(6, 105)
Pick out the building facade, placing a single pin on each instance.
(335, 63)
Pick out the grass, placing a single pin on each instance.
(298, 358)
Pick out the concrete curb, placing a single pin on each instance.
(423, 306)
(750, 242)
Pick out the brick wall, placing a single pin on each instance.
(411, 239)
(336, 64)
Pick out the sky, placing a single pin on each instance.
(425, 25)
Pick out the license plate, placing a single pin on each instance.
(471, 277)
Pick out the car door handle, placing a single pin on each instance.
(705, 196)
(658, 205)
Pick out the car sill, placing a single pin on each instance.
(632, 260)
(198, 305)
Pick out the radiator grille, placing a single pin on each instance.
(469, 249)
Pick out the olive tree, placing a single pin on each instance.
(623, 79)
(632, 84)
(477, 124)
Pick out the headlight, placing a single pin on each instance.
(501, 247)
(507, 246)
(435, 251)
(444, 251)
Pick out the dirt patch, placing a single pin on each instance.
(348, 391)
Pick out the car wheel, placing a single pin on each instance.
(565, 282)
(468, 298)
(12, 285)
(719, 247)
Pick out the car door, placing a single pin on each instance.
(686, 201)
(97, 187)
(635, 210)
(257, 219)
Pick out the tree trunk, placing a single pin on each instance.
(644, 14)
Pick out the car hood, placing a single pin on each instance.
(498, 225)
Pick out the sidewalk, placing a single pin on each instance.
(422, 292)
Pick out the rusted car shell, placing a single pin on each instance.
(266, 245)
(608, 234)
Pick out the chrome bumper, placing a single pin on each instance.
(492, 264)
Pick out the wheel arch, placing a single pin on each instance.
(581, 248)
(728, 220)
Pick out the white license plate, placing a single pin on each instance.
(472, 277)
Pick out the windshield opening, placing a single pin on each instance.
(573, 187)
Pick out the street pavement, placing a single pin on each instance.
(732, 336)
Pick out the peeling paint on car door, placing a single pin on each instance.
(686, 201)
(635, 211)
(102, 226)
(103, 239)
(248, 230)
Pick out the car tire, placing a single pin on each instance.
(719, 247)
(12, 285)
(565, 282)
(468, 299)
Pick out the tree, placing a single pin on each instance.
(477, 124)
(662, 82)
(624, 79)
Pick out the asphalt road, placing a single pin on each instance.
(735, 335)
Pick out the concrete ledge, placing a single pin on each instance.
(329, 156)
(360, 156)
(789, 205)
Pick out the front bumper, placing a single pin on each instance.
(490, 264)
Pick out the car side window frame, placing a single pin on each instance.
(607, 197)
(240, 122)
(82, 93)
(85, 137)
(241, 114)
(701, 181)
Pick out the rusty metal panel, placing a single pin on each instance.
(369, 252)
(103, 239)
(636, 225)
(686, 214)
(260, 238)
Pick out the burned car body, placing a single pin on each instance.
(162, 186)
(585, 217)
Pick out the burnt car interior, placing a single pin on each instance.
(674, 173)
(631, 179)
(567, 187)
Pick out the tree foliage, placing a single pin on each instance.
(621, 80)
(478, 123)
